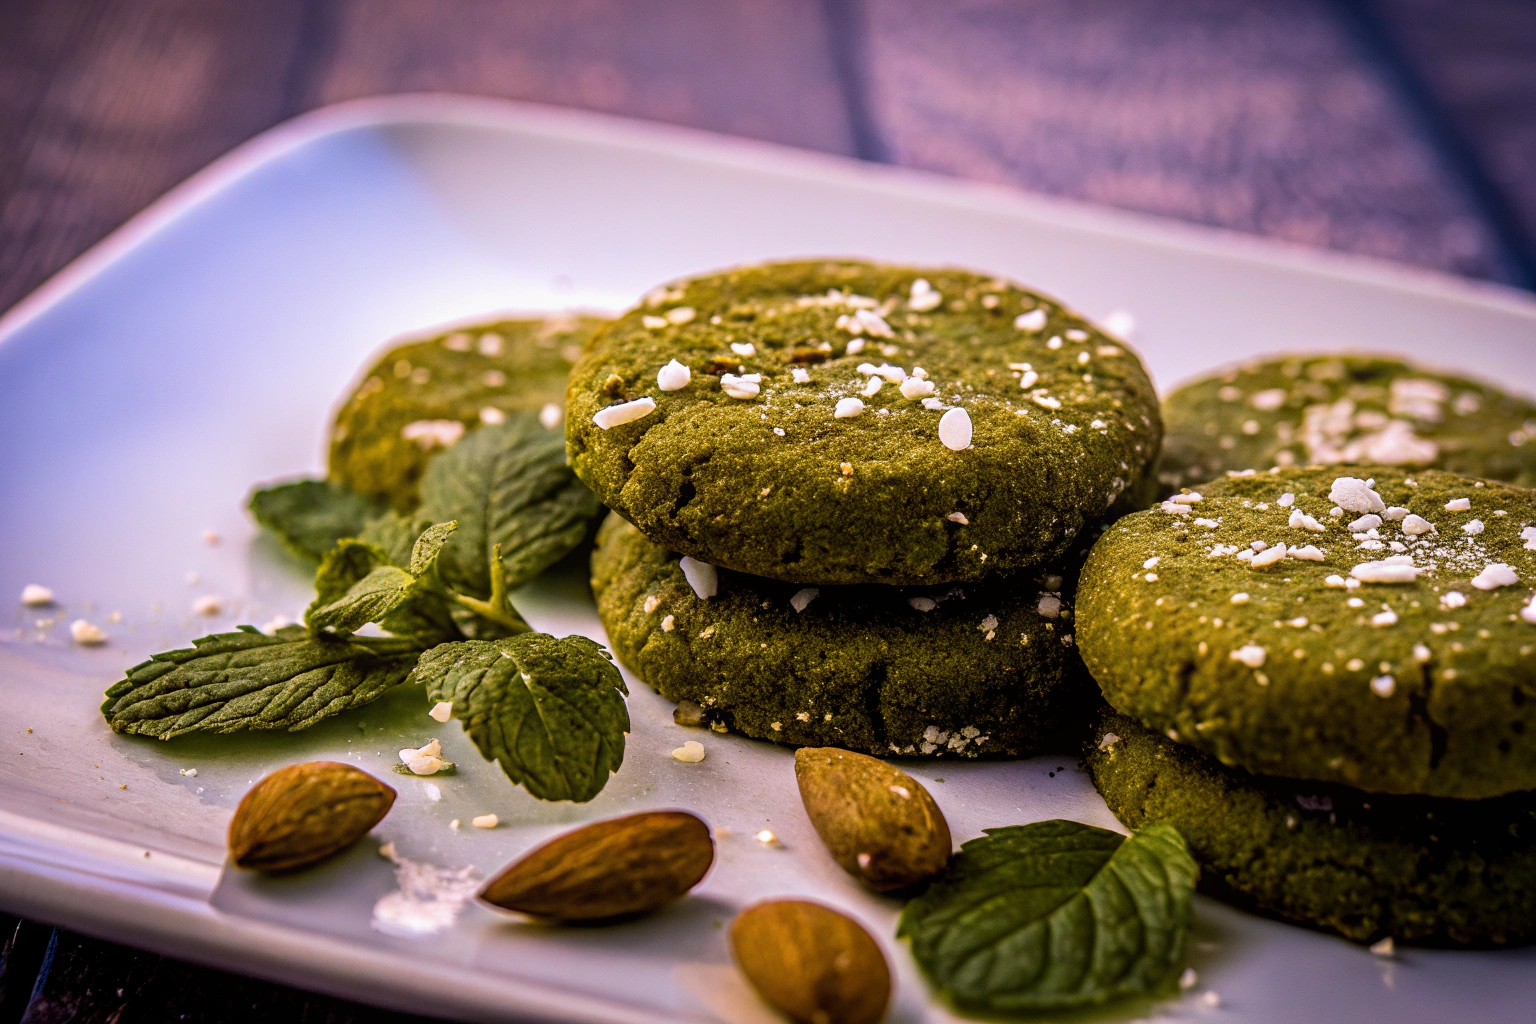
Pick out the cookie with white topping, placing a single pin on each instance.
(1374, 631)
(1329, 410)
(1413, 869)
(421, 397)
(970, 670)
(839, 422)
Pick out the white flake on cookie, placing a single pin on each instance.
(1396, 569)
(624, 412)
(674, 376)
(922, 297)
(1032, 321)
(1251, 655)
(955, 429)
(701, 576)
(1494, 575)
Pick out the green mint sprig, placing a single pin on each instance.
(506, 507)
(550, 711)
(1055, 915)
(229, 682)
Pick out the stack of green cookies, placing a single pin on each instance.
(850, 500)
(1325, 678)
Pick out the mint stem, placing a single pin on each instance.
(498, 580)
(498, 609)
(487, 610)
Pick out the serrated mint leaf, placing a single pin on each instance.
(370, 599)
(343, 567)
(356, 585)
(506, 484)
(395, 535)
(430, 613)
(427, 613)
(248, 680)
(550, 711)
(311, 516)
(429, 545)
(1054, 915)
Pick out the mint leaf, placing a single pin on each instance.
(343, 567)
(506, 484)
(1055, 915)
(395, 535)
(248, 680)
(431, 613)
(370, 599)
(429, 545)
(360, 582)
(356, 585)
(310, 516)
(550, 711)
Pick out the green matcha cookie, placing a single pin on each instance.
(421, 397)
(1345, 410)
(840, 422)
(1413, 869)
(973, 671)
(1389, 646)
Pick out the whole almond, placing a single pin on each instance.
(304, 813)
(879, 823)
(612, 868)
(811, 963)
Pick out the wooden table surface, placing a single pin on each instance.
(1404, 129)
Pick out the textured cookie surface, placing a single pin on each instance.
(1312, 663)
(804, 446)
(969, 671)
(420, 397)
(1416, 869)
(1345, 410)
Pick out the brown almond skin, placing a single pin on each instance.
(305, 813)
(811, 963)
(615, 868)
(885, 840)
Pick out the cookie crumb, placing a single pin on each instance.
(691, 752)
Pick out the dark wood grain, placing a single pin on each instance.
(747, 67)
(21, 957)
(1476, 63)
(104, 106)
(1261, 117)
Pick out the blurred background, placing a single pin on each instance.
(1399, 129)
(1403, 129)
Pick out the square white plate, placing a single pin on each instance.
(199, 350)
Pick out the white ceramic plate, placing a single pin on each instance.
(199, 349)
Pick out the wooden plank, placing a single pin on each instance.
(93, 982)
(21, 955)
(1477, 66)
(747, 67)
(1261, 117)
(104, 106)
